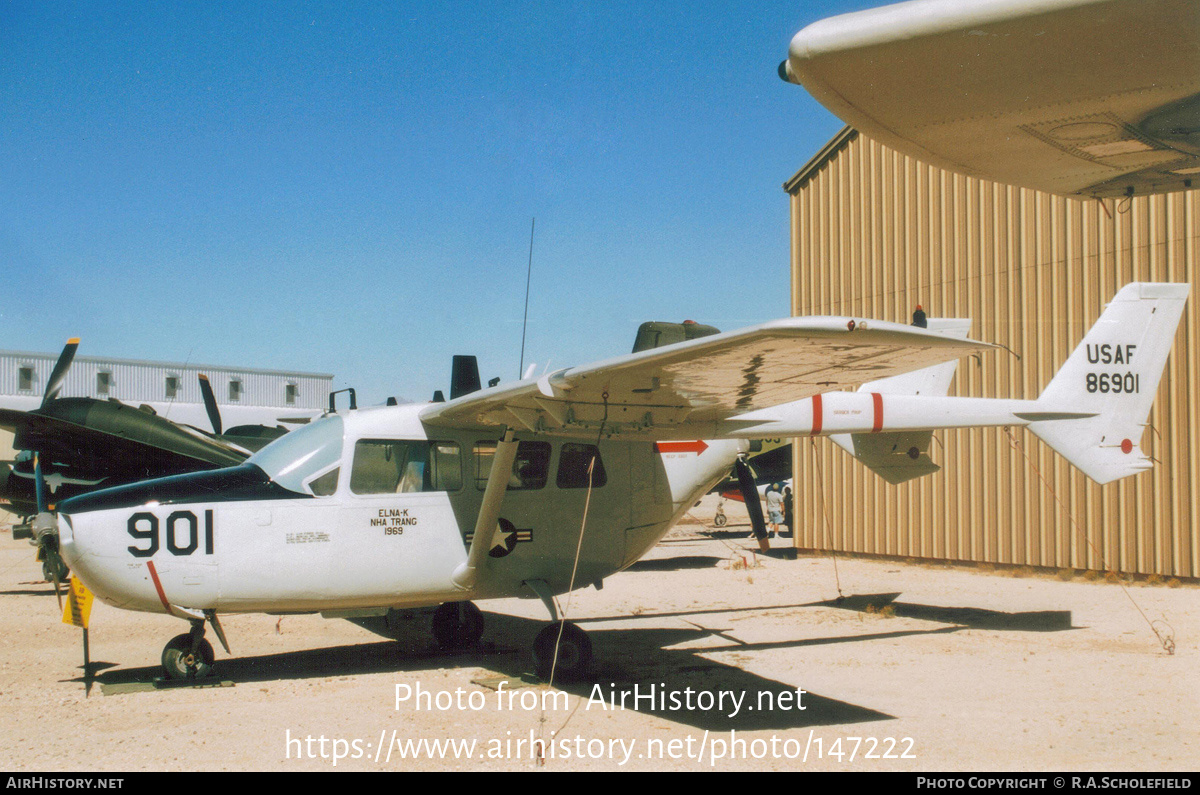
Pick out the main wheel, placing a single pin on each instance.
(178, 662)
(457, 625)
(720, 519)
(574, 652)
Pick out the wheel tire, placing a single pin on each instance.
(574, 652)
(719, 520)
(457, 625)
(178, 663)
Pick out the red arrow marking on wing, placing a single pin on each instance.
(696, 447)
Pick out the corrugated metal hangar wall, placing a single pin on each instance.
(874, 233)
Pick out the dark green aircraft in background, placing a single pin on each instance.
(72, 445)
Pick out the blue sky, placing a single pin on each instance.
(348, 187)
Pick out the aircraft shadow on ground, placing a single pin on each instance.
(973, 617)
(637, 660)
(677, 563)
(628, 661)
(47, 591)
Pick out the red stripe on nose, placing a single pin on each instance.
(162, 597)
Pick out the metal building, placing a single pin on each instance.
(874, 233)
(244, 395)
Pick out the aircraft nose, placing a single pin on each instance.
(93, 546)
(66, 531)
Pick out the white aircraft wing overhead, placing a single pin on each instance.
(1086, 98)
(683, 391)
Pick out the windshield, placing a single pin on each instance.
(294, 459)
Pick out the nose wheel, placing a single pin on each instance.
(188, 656)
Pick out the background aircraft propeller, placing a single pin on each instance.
(59, 373)
(210, 404)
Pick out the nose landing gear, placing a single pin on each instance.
(188, 656)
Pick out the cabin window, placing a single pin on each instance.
(390, 466)
(104, 381)
(531, 467)
(25, 379)
(573, 465)
(446, 460)
(235, 389)
(172, 386)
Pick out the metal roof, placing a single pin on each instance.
(835, 145)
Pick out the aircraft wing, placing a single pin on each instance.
(686, 390)
(1086, 98)
(98, 437)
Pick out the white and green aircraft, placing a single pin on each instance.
(557, 482)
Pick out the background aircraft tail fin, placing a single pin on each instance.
(1113, 374)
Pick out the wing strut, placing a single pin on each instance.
(489, 512)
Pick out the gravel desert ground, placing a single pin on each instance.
(739, 662)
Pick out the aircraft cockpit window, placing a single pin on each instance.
(391, 466)
(531, 467)
(573, 463)
(324, 485)
(296, 458)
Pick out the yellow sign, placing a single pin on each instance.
(78, 608)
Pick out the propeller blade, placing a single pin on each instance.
(54, 567)
(39, 483)
(54, 385)
(750, 494)
(45, 531)
(210, 404)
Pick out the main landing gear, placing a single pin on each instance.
(459, 625)
(574, 652)
(562, 650)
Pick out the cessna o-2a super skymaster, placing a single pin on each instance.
(557, 482)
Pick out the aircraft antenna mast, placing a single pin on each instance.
(525, 320)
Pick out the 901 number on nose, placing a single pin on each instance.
(181, 531)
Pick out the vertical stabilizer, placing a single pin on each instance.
(1113, 374)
